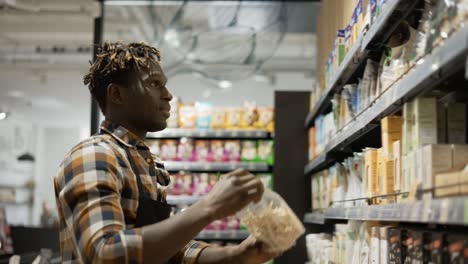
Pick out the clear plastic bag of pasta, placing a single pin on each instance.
(272, 222)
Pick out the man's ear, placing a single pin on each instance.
(114, 94)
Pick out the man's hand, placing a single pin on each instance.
(251, 251)
(232, 193)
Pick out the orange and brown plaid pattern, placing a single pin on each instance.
(97, 199)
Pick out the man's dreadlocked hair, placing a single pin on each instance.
(114, 63)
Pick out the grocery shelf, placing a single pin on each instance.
(314, 218)
(215, 166)
(316, 164)
(222, 235)
(358, 53)
(209, 133)
(182, 199)
(428, 72)
(449, 211)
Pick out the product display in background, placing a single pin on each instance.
(404, 49)
(413, 159)
(199, 184)
(201, 115)
(187, 149)
(372, 242)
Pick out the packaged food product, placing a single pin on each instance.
(187, 116)
(218, 116)
(233, 118)
(200, 184)
(232, 150)
(272, 222)
(265, 118)
(457, 244)
(217, 150)
(439, 252)
(203, 114)
(212, 180)
(265, 151)
(249, 150)
(202, 150)
(249, 115)
(185, 150)
(168, 150)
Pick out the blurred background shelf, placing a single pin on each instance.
(215, 166)
(447, 211)
(171, 133)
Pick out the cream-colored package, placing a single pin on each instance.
(418, 159)
(412, 179)
(375, 245)
(436, 159)
(404, 174)
(456, 123)
(447, 184)
(397, 166)
(384, 246)
(464, 182)
(408, 123)
(425, 122)
(380, 172)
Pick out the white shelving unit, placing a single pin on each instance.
(210, 133)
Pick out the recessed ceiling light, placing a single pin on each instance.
(225, 84)
(3, 115)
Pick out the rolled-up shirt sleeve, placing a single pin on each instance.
(89, 196)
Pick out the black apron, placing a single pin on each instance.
(149, 211)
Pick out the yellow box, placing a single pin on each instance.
(392, 124)
(370, 162)
(387, 178)
(387, 141)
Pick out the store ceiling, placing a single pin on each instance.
(45, 49)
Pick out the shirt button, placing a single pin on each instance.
(149, 160)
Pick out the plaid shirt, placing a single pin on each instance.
(97, 199)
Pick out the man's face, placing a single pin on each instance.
(148, 103)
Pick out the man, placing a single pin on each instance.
(111, 205)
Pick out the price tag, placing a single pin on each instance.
(234, 133)
(251, 166)
(218, 133)
(259, 133)
(206, 166)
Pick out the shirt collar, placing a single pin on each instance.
(122, 134)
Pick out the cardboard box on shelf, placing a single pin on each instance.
(456, 123)
(425, 121)
(447, 184)
(387, 184)
(370, 163)
(459, 156)
(392, 127)
(436, 159)
(375, 245)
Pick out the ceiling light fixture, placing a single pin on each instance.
(224, 84)
(171, 36)
(3, 115)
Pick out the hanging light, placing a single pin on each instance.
(3, 115)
